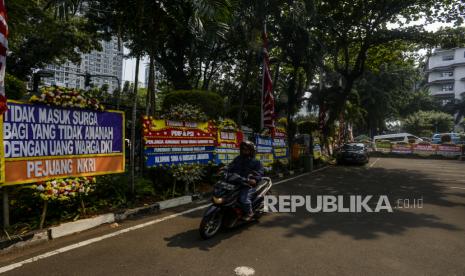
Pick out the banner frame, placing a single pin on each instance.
(3, 182)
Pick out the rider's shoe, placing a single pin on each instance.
(248, 217)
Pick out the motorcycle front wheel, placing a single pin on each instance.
(210, 224)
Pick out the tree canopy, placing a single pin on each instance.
(38, 36)
(342, 57)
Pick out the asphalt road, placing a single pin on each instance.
(409, 241)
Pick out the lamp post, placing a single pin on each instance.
(38, 75)
(88, 77)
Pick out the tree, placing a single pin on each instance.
(425, 123)
(347, 31)
(47, 40)
(123, 19)
(186, 28)
(416, 101)
(64, 9)
(459, 108)
(447, 38)
(391, 88)
(297, 51)
(171, 31)
(14, 87)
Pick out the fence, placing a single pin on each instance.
(423, 149)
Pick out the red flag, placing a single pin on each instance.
(3, 49)
(268, 98)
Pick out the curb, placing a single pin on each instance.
(174, 202)
(70, 228)
(25, 240)
(414, 156)
(131, 213)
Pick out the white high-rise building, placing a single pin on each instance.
(109, 61)
(446, 74)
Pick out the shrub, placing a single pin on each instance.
(25, 207)
(143, 187)
(425, 123)
(188, 174)
(15, 89)
(185, 112)
(160, 177)
(111, 191)
(209, 102)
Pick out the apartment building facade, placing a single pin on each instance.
(446, 74)
(109, 61)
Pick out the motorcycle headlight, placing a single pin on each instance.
(217, 200)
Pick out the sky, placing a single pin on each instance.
(129, 68)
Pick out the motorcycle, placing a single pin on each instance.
(226, 211)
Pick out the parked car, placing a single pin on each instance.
(398, 137)
(426, 139)
(352, 153)
(454, 138)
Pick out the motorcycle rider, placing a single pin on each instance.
(248, 167)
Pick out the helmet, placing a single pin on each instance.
(251, 146)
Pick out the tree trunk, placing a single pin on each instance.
(174, 188)
(147, 102)
(205, 74)
(117, 98)
(83, 208)
(133, 127)
(213, 70)
(186, 188)
(151, 88)
(154, 87)
(291, 102)
(338, 106)
(141, 156)
(175, 71)
(44, 214)
(243, 88)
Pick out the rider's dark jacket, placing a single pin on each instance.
(244, 166)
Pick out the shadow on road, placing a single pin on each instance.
(396, 184)
(191, 239)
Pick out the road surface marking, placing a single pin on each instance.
(117, 233)
(97, 239)
(244, 271)
(461, 188)
(300, 175)
(372, 164)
